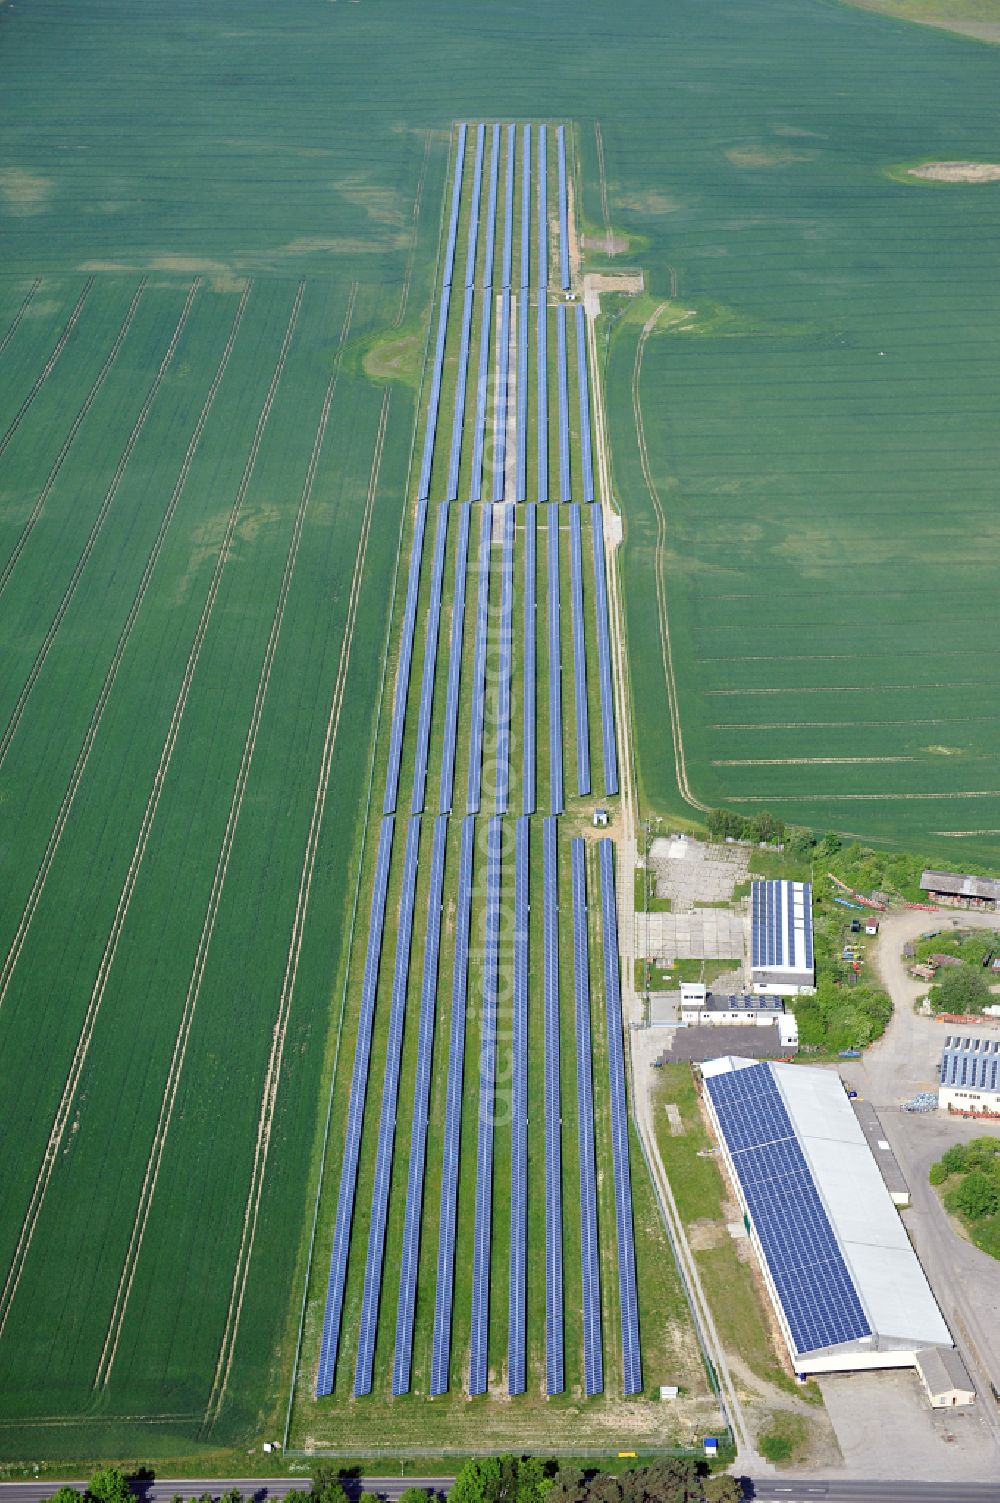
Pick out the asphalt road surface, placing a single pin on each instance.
(790, 1491)
(876, 1492)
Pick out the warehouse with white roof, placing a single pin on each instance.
(781, 938)
(847, 1288)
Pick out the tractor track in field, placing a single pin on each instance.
(15, 321)
(58, 1129)
(826, 725)
(602, 179)
(97, 716)
(848, 657)
(48, 367)
(84, 408)
(169, 1096)
(804, 761)
(227, 1345)
(659, 567)
(95, 531)
(404, 296)
(953, 683)
(852, 798)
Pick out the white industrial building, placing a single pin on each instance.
(970, 1077)
(945, 1378)
(847, 1288)
(702, 1008)
(781, 938)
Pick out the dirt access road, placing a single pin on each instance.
(965, 1281)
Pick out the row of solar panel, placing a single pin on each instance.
(501, 414)
(968, 1067)
(780, 909)
(482, 1232)
(416, 549)
(813, 1284)
(502, 673)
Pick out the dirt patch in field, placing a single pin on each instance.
(958, 172)
(608, 245)
(652, 202)
(705, 1234)
(766, 156)
(614, 281)
(23, 193)
(595, 282)
(394, 359)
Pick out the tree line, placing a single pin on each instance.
(491, 1479)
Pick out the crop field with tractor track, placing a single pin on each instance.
(219, 297)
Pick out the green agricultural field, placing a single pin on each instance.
(173, 688)
(220, 233)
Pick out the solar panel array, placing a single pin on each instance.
(555, 667)
(482, 387)
(972, 1063)
(334, 1308)
(579, 653)
(631, 1361)
(505, 663)
(445, 1286)
(458, 421)
(430, 663)
(504, 323)
(542, 363)
(608, 744)
(406, 1303)
(434, 401)
(517, 1293)
(405, 657)
(554, 1365)
(479, 665)
(372, 1292)
(804, 1259)
(528, 707)
(450, 733)
(522, 320)
(583, 386)
(563, 209)
(503, 352)
(542, 396)
(565, 491)
(593, 1356)
(482, 1230)
(781, 911)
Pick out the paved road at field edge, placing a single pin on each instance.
(766, 1491)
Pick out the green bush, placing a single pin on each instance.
(977, 1196)
(954, 1160)
(938, 1174)
(842, 1017)
(962, 988)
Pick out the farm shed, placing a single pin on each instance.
(954, 887)
(847, 1288)
(945, 1379)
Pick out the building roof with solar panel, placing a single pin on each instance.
(846, 1285)
(970, 1076)
(781, 938)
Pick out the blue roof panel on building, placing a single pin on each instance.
(971, 1063)
(781, 936)
(807, 1267)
